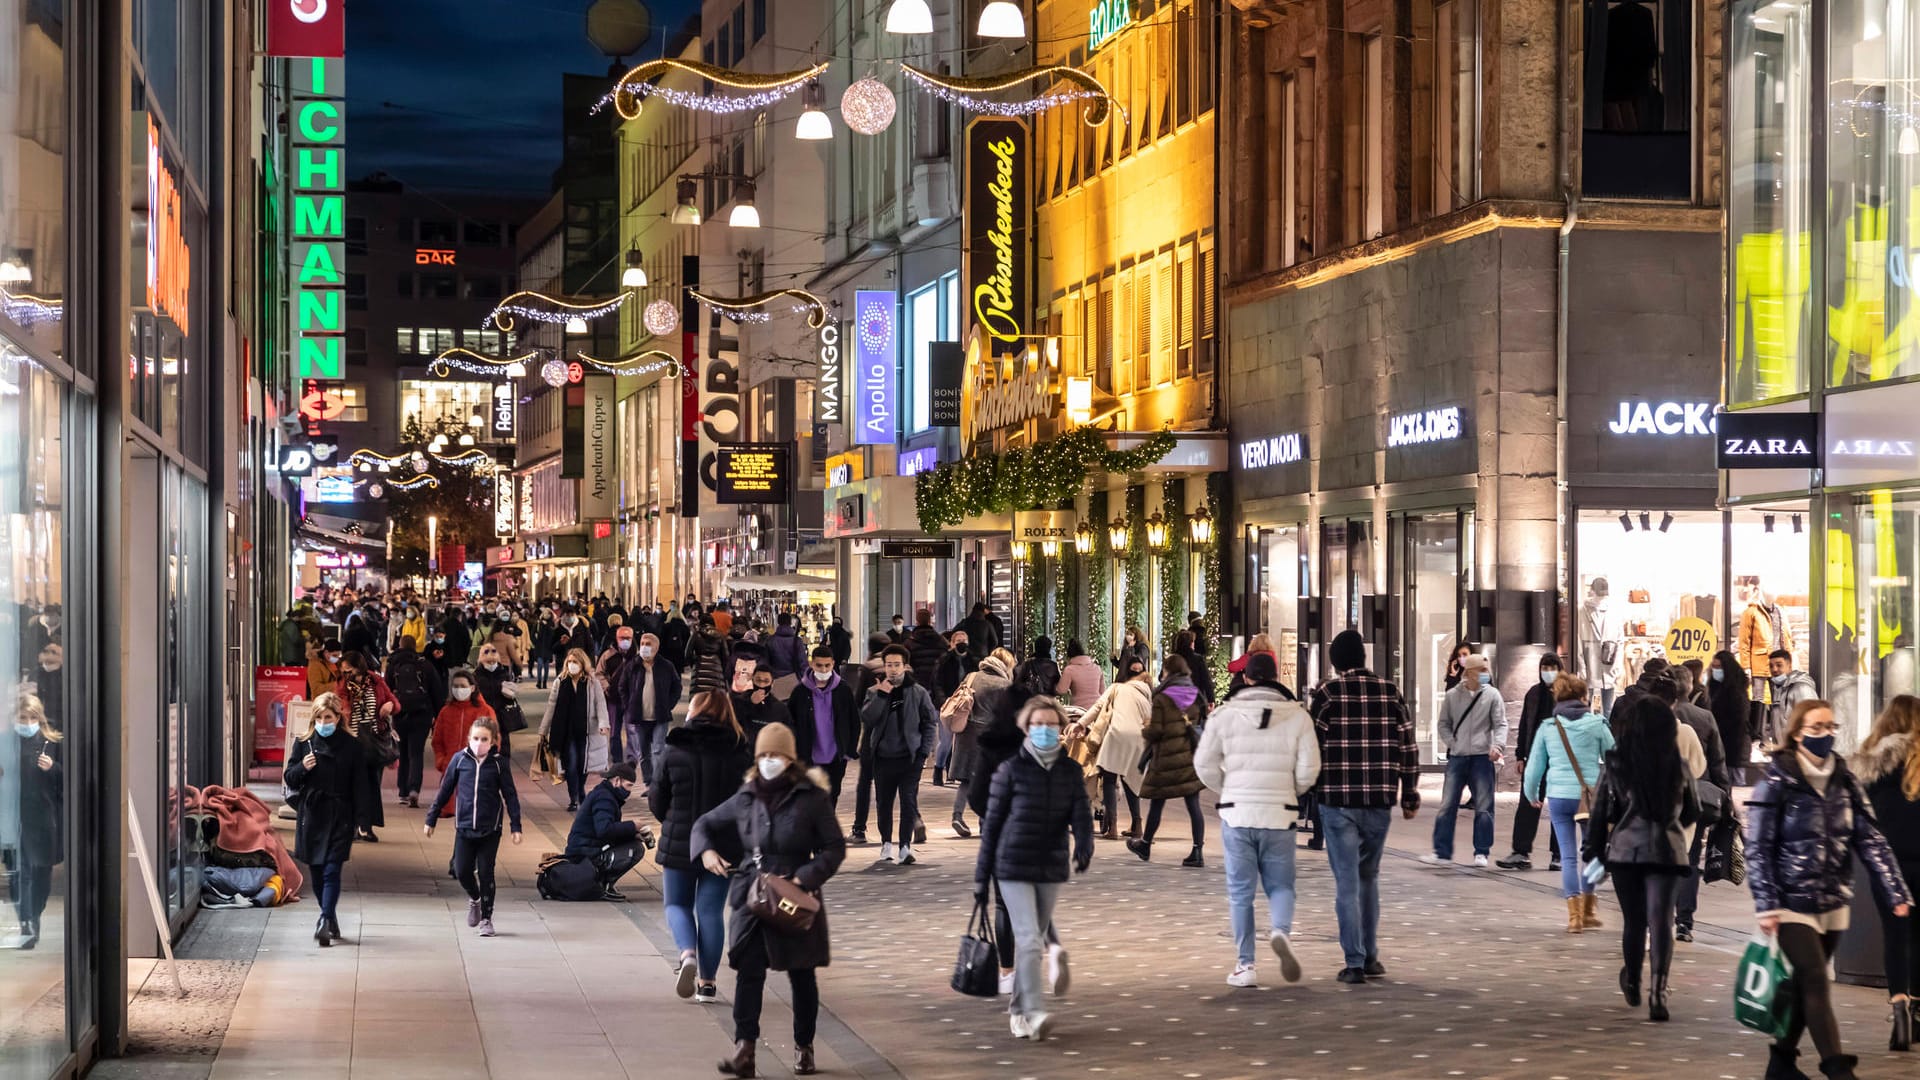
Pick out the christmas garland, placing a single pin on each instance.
(1211, 581)
(1099, 625)
(1066, 610)
(1040, 475)
(1173, 565)
(1138, 562)
(1033, 609)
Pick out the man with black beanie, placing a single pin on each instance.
(1536, 708)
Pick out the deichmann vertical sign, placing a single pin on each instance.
(319, 205)
(999, 211)
(875, 385)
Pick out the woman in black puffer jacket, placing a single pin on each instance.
(1888, 766)
(702, 768)
(1039, 796)
(1806, 821)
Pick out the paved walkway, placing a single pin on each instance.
(1483, 981)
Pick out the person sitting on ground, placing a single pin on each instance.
(614, 846)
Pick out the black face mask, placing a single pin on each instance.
(621, 793)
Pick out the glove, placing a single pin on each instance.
(1080, 864)
(1595, 872)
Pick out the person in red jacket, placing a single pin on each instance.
(464, 706)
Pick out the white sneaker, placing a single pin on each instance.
(1058, 977)
(1283, 948)
(1431, 859)
(906, 855)
(886, 852)
(1038, 1025)
(683, 985)
(1479, 862)
(1006, 982)
(1018, 1025)
(1243, 977)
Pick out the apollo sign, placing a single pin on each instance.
(1664, 418)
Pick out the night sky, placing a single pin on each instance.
(464, 95)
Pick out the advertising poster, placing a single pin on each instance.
(275, 689)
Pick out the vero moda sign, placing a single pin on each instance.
(307, 28)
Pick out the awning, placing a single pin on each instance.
(778, 583)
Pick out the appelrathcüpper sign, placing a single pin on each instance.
(752, 473)
(999, 212)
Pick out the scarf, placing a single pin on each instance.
(1045, 758)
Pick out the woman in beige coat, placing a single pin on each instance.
(1117, 724)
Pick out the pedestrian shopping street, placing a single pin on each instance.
(1483, 981)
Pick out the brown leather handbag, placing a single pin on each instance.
(779, 903)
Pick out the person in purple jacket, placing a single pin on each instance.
(1171, 736)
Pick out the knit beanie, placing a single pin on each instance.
(1349, 651)
(776, 739)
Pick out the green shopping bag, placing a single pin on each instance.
(1763, 996)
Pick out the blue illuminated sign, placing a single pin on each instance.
(876, 415)
(913, 462)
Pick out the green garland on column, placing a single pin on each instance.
(1098, 634)
(1033, 612)
(1214, 595)
(1173, 565)
(1138, 563)
(1066, 599)
(1039, 475)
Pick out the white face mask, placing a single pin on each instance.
(624, 643)
(646, 652)
(462, 693)
(490, 664)
(771, 767)
(573, 667)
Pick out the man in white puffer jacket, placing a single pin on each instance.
(1259, 751)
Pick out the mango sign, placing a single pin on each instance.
(319, 226)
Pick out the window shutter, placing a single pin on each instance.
(1106, 327)
(1164, 296)
(1185, 297)
(1205, 286)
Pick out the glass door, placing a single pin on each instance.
(1432, 568)
(1346, 573)
(1276, 573)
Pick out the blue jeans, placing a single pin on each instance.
(1356, 838)
(1258, 857)
(542, 668)
(1560, 812)
(696, 903)
(1463, 771)
(325, 878)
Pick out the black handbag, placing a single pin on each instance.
(512, 718)
(976, 972)
(1713, 802)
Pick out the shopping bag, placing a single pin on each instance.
(1763, 995)
(597, 749)
(976, 973)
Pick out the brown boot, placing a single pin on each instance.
(1573, 915)
(803, 1061)
(1590, 911)
(741, 1063)
(1110, 833)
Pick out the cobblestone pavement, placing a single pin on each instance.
(1483, 981)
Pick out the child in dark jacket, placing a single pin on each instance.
(479, 780)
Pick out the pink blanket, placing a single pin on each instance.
(246, 824)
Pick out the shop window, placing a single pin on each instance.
(1638, 138)
(1275, 572)
(1639, 572)
(1873, 608)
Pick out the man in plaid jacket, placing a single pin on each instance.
(1369, 761)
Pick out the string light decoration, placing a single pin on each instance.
(512, 367)
(868, 106)
(645, 362)
(557, 310)
(554, 372)
(415, 483)
(753, 309)
(661, 318)
(973, 93)
(26, 309)
(1039, 475)
(754, 92)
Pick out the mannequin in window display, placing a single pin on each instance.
(1763, 628)
(1600, 640)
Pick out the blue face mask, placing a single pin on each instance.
(1817, 745)
(26, 731)
(1044, 738)
(325, 731)
(1486, 679)
(1717, 674)
(1547, 675)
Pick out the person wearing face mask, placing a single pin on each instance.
(900, 720)
(544, 640)
(610, 673)
(574, 634)
(321, 671)
(437, 653)
(412, 625)
(1729, 700)
(897, 632)
(1807, 820)
(600, 838)
(494, 684)
(479, 783)
(370, 706)
(826, 723)
(709, 658)
(650, 688)
(1473, 727)
(457, 639)
(781, 822)
(754, 700)
(701, 769)
(1037, 801)
(1535, 708)
(464, 707)
(421, 692)
(31, 763)
(577, 713)
(1790, 687)
(324, 781)
(1563, 765)
(839, 642)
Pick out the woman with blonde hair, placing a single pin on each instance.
(1807, 820)
(30, 757)
(324, 783)
(578, 710)
(1888, 766)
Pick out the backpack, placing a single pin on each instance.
(561, 878)
(409, 684)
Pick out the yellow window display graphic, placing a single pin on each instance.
(1770, 313)
(1857, 325)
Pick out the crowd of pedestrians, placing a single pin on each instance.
(1642, 788)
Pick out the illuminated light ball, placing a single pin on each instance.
(661, 317)
(554, 372)
(376, 490)
(867, 106)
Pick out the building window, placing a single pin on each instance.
(759, 20)
(1096, 361)
(353, 399)
(438, 287)
(923, 326)
(1186, 66)
(485, 233)
(437, 232)
(356, 237)
(356, 292)
(1206, 29)
(435, 401)
(1287, 235)
(481, 287)
(1456, 93)
(403, 340)
(1373, 137)
(1638, 140)
(1204, 278)
(1163, 319)
(403, 286)
(1186, 296)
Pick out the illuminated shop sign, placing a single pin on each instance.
(433, 256)
(503, 410)
(915, 462)
(328, 560)
(995, 399)
(1034, 526)
(997, 210)
(335, 488)
(1276, 450)
(1427, 426)
(752, 473)
(1753, 440)
(1107, 18)
(826, 379)
(317, 256)
(169, 260)
(875, 388)
(296, 459)
(1663, 418)
(844, 469)
(502, 501)
(306, 27)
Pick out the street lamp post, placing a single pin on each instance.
(433, 544)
